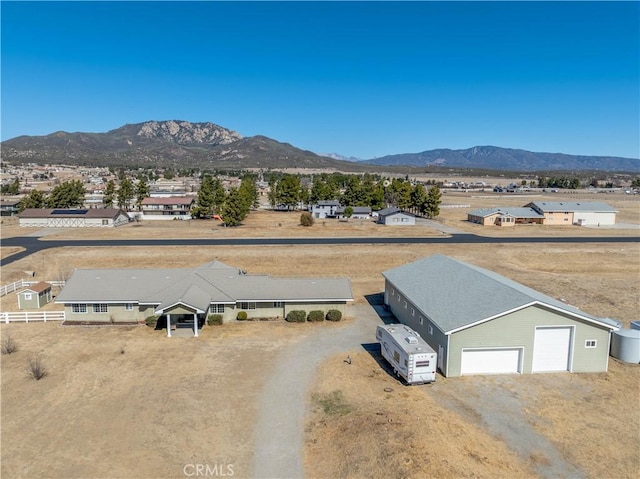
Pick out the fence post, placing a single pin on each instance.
(6, 318)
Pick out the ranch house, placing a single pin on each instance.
(187, 296)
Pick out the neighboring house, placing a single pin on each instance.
(9, 207)
(395, 217)
(167, 208)
(72, 218)
(480, 322)
(359, 212)
(35, 296)
(505, 216)
(189, 295)
(325, 209)
(582, 213)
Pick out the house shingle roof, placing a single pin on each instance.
(516, 212)
(213, 282)
(172, 200)
(454, 294)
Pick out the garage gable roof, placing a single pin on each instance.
(455, 295)
(561, 206)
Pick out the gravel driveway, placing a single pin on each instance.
(278, 434)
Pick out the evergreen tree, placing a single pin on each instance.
(35, 199)
(418, 199)
(208, 201)
(69, 194)
(126, 193)
(141, 191)
(288, 191)
(432, 203)
(249, 192)
(109, 194)
(234, 209)
(12, 188)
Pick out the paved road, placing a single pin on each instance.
(35, 244)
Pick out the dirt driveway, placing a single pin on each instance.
(283, 403)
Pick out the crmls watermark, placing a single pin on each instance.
(208, 470)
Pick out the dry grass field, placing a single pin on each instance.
(128, 402)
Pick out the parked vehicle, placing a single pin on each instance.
(409, 355)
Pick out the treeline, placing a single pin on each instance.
(69, 194)
(355, 190)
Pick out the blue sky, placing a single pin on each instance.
(358, 78)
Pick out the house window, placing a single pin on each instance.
(78, 308)
(128, 307)
(413, 312)
(100, 308)
(247, 305)
(278, 304)
(393, 291)
(405, 305)
(590, 343)
(421, 320)
(217, 308)
(430, 329)
(28, 296)
(105, 222)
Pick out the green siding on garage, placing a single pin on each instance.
(517, 329)
(396, 302)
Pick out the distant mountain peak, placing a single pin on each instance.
(187, 133)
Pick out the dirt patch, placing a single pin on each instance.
(368, 432)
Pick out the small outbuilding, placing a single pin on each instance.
(394, 216)
(35, 296)
(480, 322)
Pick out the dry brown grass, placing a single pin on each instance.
(165, 403)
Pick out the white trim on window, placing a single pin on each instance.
(128, 307)
(591, 343)
(79, 308)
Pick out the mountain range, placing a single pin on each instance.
(182, 144)
(496, 158)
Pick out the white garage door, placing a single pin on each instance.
(551, 349)
(490, 361)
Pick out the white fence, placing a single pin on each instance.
(25, 317)
(9, 288)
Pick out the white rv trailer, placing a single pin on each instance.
(409, 355)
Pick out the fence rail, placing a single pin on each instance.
(26, 317)
(9, 288)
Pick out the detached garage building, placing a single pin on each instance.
(480, 322)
